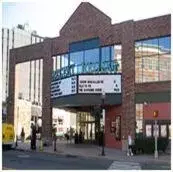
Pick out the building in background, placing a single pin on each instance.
(28, 85)
(63, 120)
(16, 37)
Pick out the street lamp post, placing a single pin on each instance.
(156, 151)
(155, 115)
(103, 114)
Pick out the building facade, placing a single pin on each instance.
(14, 38)
(129, 61)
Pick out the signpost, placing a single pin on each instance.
(155, 115)
(103, 113)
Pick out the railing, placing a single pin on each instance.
(104, 67)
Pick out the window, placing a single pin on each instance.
(84, 45)
(163, 130)
(92, 56)
(169, 129)
(77, 59)
(58, 62)
(139, 118)
(105, 54)
(116, 56)
(150, 64)
(87, 57)
(64, 60)
(91, 60)
(155, 56)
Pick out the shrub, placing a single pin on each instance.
(147, 145)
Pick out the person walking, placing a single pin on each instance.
(22, 135)
(67, 135)
(130, 144)
(33, 137)
(71, 134)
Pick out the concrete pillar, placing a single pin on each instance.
(128, 82)
(46, 98)
(11, 88)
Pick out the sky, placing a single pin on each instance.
(48, 17)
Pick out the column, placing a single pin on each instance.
(11, 97)
(128, 82)
(46, 91)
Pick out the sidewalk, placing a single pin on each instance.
(94, 151)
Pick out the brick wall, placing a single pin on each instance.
(153, 27)
(153, 87)
(163, 108)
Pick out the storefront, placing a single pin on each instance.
(129, 61)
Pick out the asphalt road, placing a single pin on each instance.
(155, 166)
(13, 159)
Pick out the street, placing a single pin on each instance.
(156, 166)
(13, 159)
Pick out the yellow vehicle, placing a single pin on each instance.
(8, 135)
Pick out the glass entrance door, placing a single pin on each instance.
(86, 124)
(91, 131)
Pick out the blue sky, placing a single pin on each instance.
(48, 17)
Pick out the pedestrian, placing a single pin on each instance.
(71, 134)
(76, 138)
(67, 135)
(80, 136)
(91, 134)
(22, 135)
(33, 137)
(130, 144)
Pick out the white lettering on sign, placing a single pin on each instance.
(99, 83)
(64, 87)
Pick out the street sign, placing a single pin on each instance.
(156, 130)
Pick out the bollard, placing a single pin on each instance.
(55, 145)
(41, 145)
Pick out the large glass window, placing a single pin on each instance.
(105, 51)
(91, 60)
(111, 58)
(104, 59)
(92, 56)
(64, 60)
(116, 57)
(77, 59)
(152, 59)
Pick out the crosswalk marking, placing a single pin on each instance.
(124, 166)
(23, 156)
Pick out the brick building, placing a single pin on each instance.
(129, 61)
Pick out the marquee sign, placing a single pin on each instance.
(63, 87)
(86, 84)
(98, 83)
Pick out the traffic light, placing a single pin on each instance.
(155, 113)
